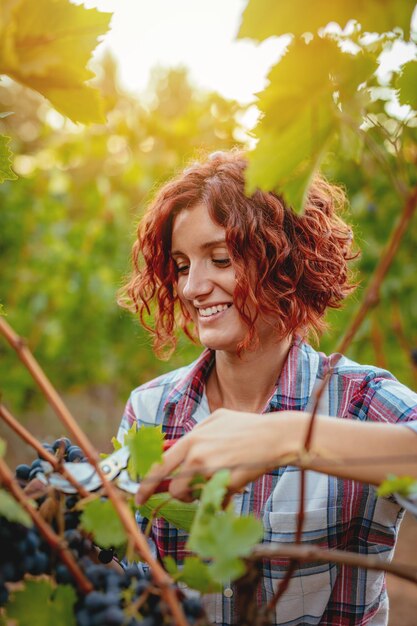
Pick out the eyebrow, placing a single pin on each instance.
(204, 246)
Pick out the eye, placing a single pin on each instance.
(181, 269)
(221, 262)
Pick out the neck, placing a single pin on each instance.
(246, 383)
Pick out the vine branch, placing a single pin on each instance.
(371, 296)
(22, 432)
(312, 553)
(161, 578)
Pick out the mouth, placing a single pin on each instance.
(213, 311)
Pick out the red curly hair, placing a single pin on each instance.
(300, 260)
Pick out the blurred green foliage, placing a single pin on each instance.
(68, 222)
(329, 104)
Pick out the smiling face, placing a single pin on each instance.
(206, 278)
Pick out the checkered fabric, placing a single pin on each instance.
(340, 514)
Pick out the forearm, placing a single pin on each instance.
(347, 448)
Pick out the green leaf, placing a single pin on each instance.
(197, 575)
(213, 492)
(101, 520)
(146, 447)
(40, 604)
(46, 46)
(221, 535)
(403, 485)
(407, 85)
(116, 444)
(179, 514)
(11, 510)
(265, 18)
(225, 538)
(6, 172)
(297, 129)
(212, 497)
(2, 442)
(171, 566)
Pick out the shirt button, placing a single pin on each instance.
(228, 592)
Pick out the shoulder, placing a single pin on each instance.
(147, 401)
(370, 392)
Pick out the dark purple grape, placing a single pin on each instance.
(106, 556)
(74, 453)
(193, 607)
(62, 442)
(22, 471)
(48, 447)
(113, 616)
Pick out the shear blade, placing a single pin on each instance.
(83, 473)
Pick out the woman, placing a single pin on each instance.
(252, 280)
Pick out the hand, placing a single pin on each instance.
(245, 443)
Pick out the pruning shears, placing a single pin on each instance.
(113, 466)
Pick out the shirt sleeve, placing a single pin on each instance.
(385, 399)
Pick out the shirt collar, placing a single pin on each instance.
(292, 392)
(187, 393)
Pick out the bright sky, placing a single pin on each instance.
(200, 34)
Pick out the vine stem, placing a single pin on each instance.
(313, 553)
(6, 478)
(370, 300)
(161, 578)
(371, 296)
(30, 439)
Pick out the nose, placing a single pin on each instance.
(198, 282)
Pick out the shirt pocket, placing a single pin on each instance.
(318, 523)
(311, 584)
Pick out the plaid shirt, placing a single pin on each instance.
(341, 514)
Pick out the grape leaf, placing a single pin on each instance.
(213, 492)
(11, 510)
(213, 528)
(179, 514)
(225, 538)
(6, 172)
(265, 18)
(194, 573)
(46, 46)
(2, 442)
(40, 604)
(116, 444)
(212, 496)
(407, 84)
(197, 575)
(145, 448)
(403, 485)
(312, 92)
(101, 520)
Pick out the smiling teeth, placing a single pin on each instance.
(212, 310)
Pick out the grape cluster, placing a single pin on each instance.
(120, 597)
(62, 447)
(128, 599)
(22, 551)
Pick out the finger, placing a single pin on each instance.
(159, 471)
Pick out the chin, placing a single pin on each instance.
(219, 344)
